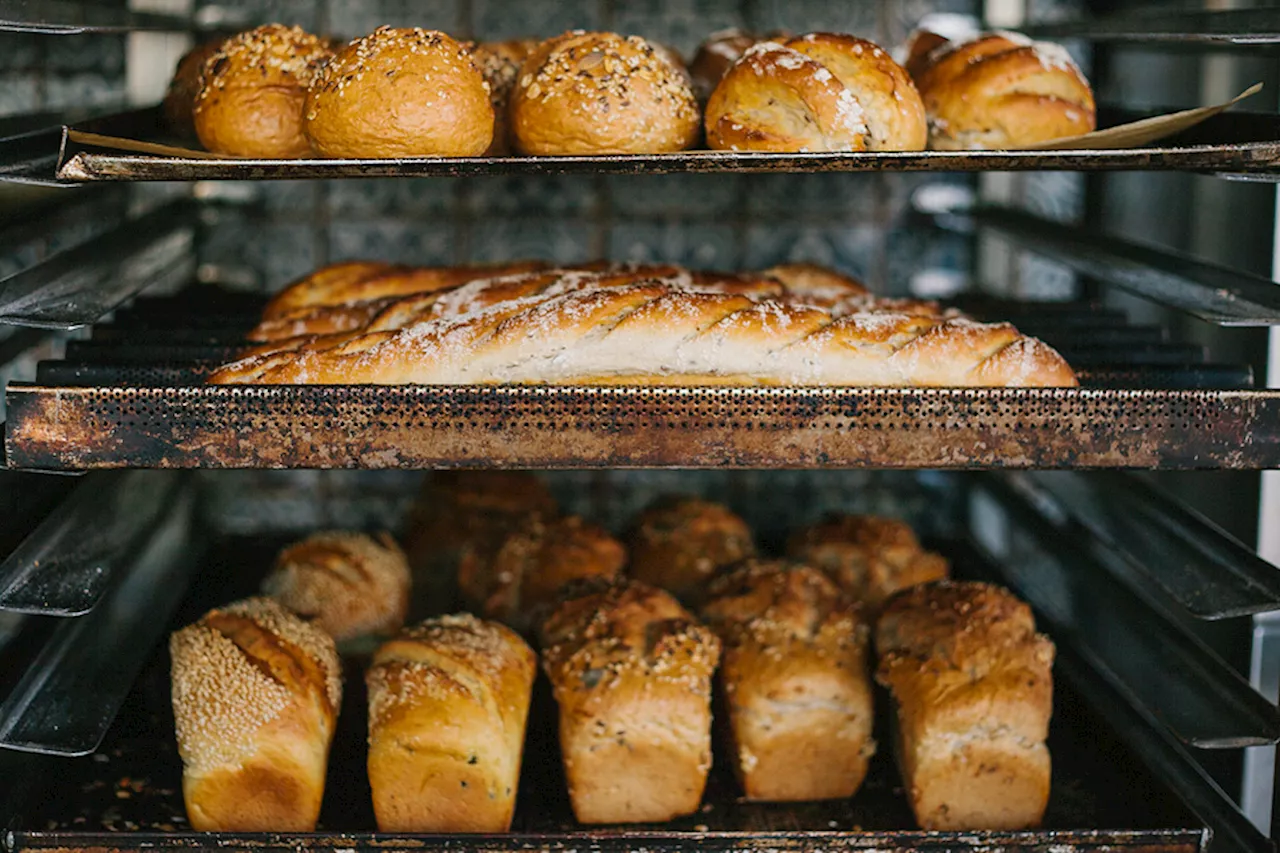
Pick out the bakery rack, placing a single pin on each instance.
(97, 568)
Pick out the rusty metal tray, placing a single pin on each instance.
(1233, 143)
(128, 796)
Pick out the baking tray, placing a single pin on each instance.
(128, 796)
(1233, 142)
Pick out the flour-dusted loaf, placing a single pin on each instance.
(631, 671)
(448, 701)
(869, 557)
(795, 681)
(679, 543)
(516, 573)
(660, 333)
(971, 680)
(349, 584)
(256, 692)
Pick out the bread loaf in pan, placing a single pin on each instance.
(795, 681)
(448, 702)
(973, 691)
(679, 543)
(631, 672)
(256, 692)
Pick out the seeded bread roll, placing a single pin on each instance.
(794, 679)
(817, 92)
(512, 577)
(256, 691)
(868, 557)
(499, 62)
(348, 584)
(400, 93)
(1002, 90)
(448, 700)
(601, 93)
(971, 682)
(678, 544)
(180, 98)
(631, 671)
(253, 93)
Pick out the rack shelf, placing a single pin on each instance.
(1227, 27)
(71, 17)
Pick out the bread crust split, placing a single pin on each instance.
(971, 682)
(256, 693)
(631, 672)
(795, 681)
(448, 704)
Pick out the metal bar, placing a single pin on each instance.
(66, 565)
(1241, 27)
(68, 17)
(1155, 663)
(76, 287)
(69, 695)
(1214, 293)
(1202, 567)
(63, 428)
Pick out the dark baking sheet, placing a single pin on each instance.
(128, 797)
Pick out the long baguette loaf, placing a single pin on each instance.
(658, 333)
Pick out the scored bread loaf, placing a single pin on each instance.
(512, 576)
(868, 557)
(795, 681)
(448, 701)
(972, 686)
(256, 692)
(679, 543)
(631, 671)
(658, 333)
(349, 584)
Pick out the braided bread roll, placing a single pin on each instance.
(817, 92)
(448, 701)
(657, 334)
(1002, 90)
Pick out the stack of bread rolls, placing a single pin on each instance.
(598, 324)
(257, 684)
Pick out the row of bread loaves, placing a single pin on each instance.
(280, 92)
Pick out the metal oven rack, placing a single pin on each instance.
(1115, 585)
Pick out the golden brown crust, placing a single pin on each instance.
(254, 88)
(631, 671)
(511, 577)
(601, 93)
(974, 693)
(326, 286)
(868, 557)
(348, 584)
(795, 681)
(256, 691)
(499, 62)
(1002, 90)
(184, 88)
(400, 93)
(678, 544)
(715, 56)
(448, 701)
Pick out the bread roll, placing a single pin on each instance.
(499, 62)
(448, 700)
(971, 682)
(818, 92)
(348, 584)
(631, 671)
(1002, 90)
(400, 93)
(679, 544)
(513, 576)
(601, 93)
(658, 334)
(868, 557)
(180, 98)
(715, 56)
(795, 681)
(256, 691)
(254, 89)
